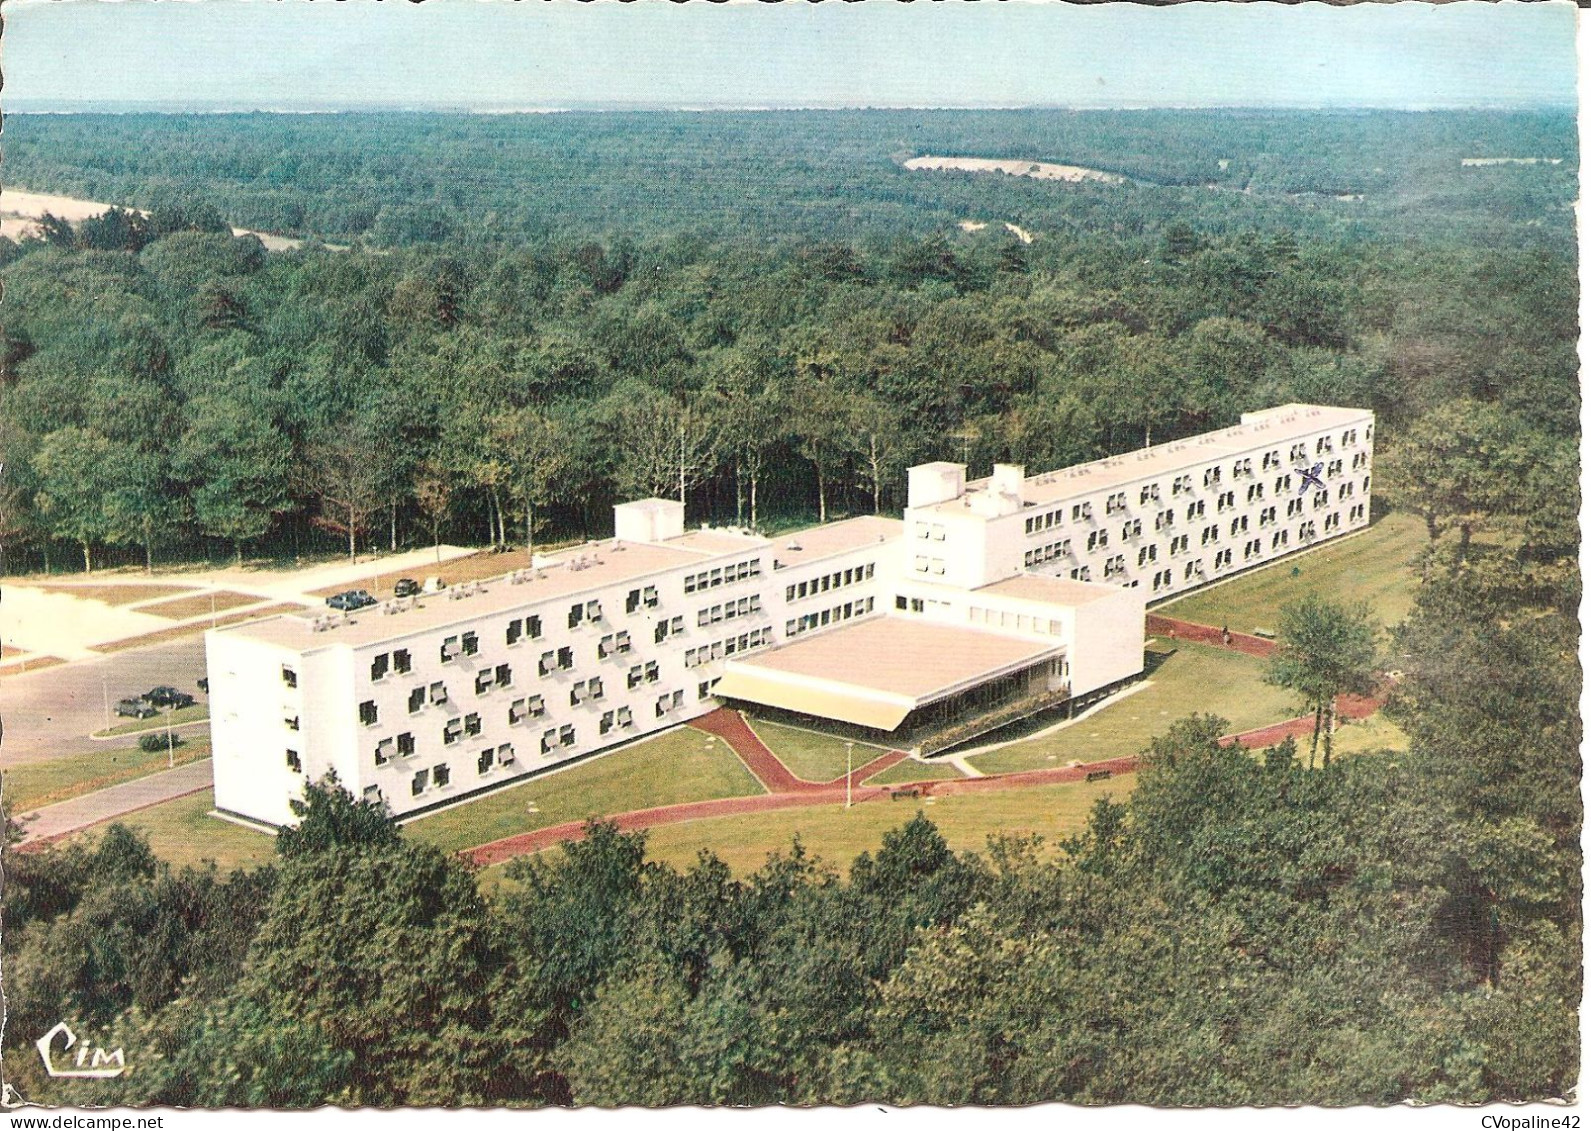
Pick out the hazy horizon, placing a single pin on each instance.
(231, 56)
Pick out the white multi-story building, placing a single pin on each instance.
(991, 598)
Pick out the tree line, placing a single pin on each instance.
(170, 389)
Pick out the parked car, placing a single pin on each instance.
(168, 697)
(350, 600)
(406, 587)
(136, 708)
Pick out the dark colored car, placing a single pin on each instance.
(136, 708)
(406, 587)
(350, 600)
(204, 685)
(168, 697)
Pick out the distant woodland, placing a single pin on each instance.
(761, 314)
(766, 316)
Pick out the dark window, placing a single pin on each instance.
(405, 743)
(420, 780)
(416, 699)
(293, 763)
(472, 723)
(290, 677)
(485, 761)
(533, 627)
(505, 675)
(516, 629)
(401, 661)
(577, 613)
(566, 658)
(367, 713)
(471, 643)
(378, 667)
(442, 775)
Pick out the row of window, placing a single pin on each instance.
(723, 575)
(845, 612)
(646, 595)
(745, 642)
(642, 673)
(582, 611)
(924, 564)
(1041, 554)
(936, 531)
(828, 581)
(1182, 484)
(667, 627)
(1038, 523)
(729, 610)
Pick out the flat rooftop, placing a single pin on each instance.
(818, 542)
(1049, 590)
(913, 659)
(1277, 425)
(572, 572)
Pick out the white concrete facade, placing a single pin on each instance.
(424, 702)
(1165, 519)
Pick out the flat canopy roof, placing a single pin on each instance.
(876, 672)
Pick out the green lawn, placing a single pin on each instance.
(182, 832)
(809, 755)
(838, 835)
(683, 765)
(1372, 566)
(1195, 679)
(191, 714)
(914, 771)
(1367, 736)
(29, 786)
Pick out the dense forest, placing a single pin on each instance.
(766, 316)
(170, 389)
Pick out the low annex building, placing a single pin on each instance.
(992, 599)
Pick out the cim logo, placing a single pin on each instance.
(90, 1063)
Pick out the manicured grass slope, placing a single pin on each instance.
(1373, 566)
(914, 771)
(182, 832)
(808, 755)
(34, 784)
(1194, 679)
(839, 835)
(679, 766)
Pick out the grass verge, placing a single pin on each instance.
(36, 784)
(191, 714)
(672, 768)
(914, 771)
(183, 833)
(839, 835)
(1194, 679)
(809, 755)
(1372, 567)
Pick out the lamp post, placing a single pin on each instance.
(848, 747)
(171, 749)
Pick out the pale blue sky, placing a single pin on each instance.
(264, 54)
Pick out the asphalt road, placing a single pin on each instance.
(50, 713)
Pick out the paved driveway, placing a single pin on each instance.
(50, 713)
(80, 812)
